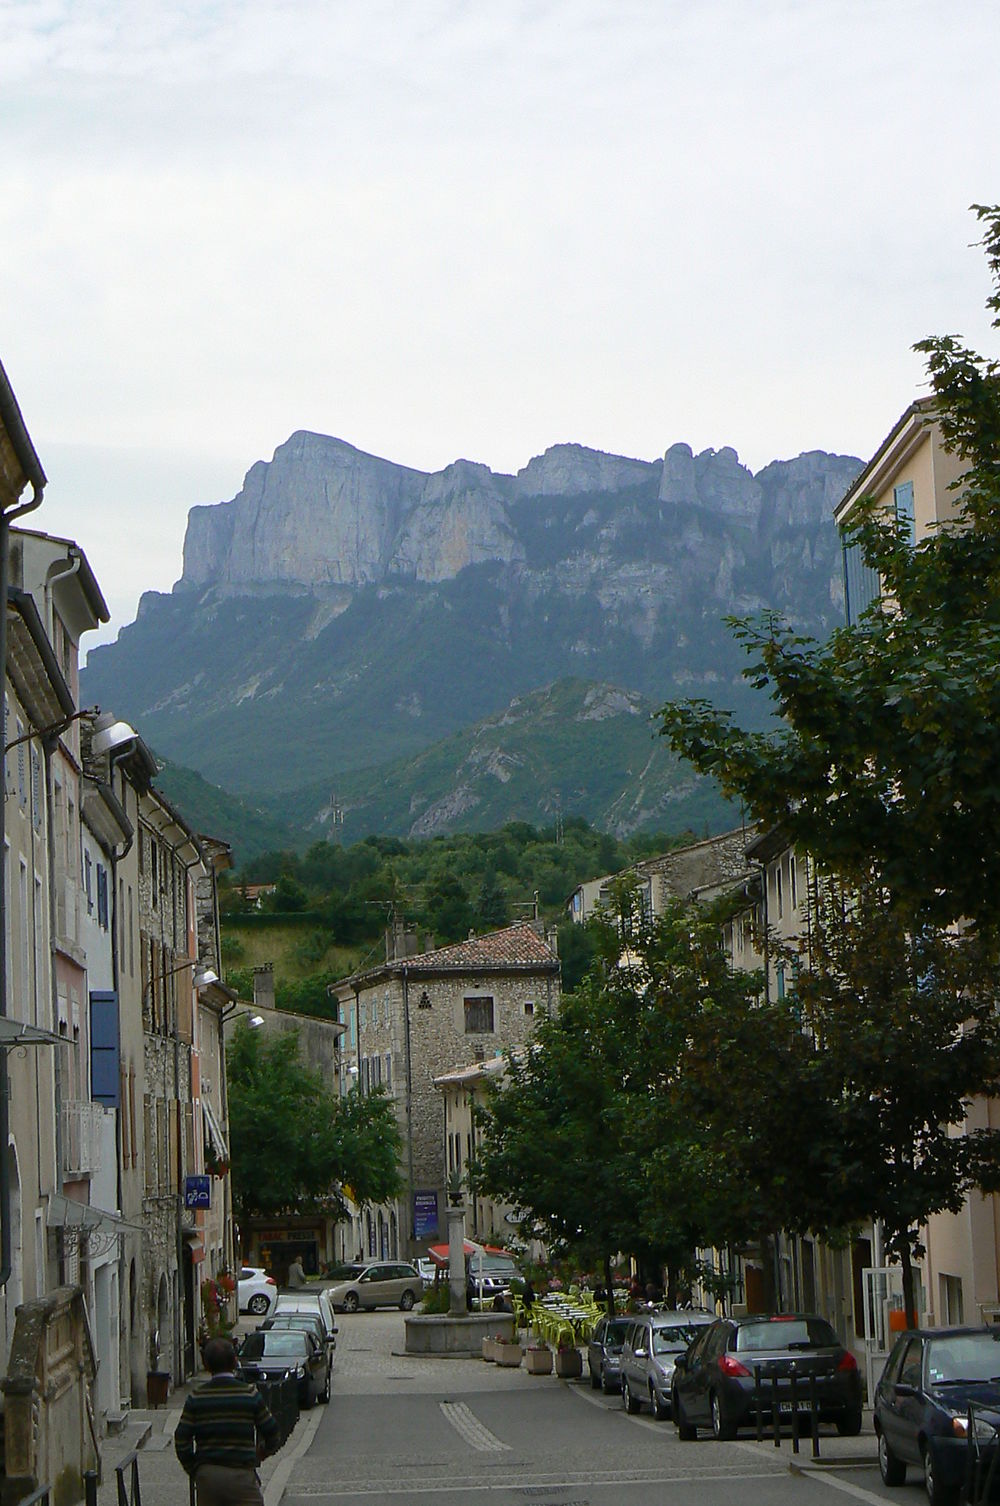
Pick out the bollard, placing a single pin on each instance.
(775, 1410)
(813, 1417)
(90, 1487)
(795, 1410)
(760, 1403)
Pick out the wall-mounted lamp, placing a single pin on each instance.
(254, 1021)
(110, 734)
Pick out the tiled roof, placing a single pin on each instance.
(515, 946)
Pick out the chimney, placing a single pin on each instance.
(263, 986)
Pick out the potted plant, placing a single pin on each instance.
(569, 1360)
(507, 1351)
(157, 1380)
(489, 1348)
(538, 1359)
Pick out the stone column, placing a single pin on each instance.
(456, 1261)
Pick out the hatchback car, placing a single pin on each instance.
(268, 1353)
(922, 1402)
(257, 1292)
(715, 1383)
(604, 1353)
(317, 1304)
(380, 1284)
(303, 1323)
(652, 1343)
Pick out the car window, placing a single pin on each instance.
(700, 1346)
(963, 1356)
(784, 1333)
(890, 1374)
(675, 1339)
(614, 1332)
(281, 1342)
(909, 1371)
(718, 1341)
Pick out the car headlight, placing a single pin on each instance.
(982, 1430)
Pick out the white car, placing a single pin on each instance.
(258, 1292)
(316, 1302)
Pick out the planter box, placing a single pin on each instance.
(538, 1361)
(489, 1350)
(569, 1363)
(508, 1354)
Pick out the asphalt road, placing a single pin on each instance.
(464, 1433)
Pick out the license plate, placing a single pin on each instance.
(785, 1407)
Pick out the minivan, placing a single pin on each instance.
(652, 1343)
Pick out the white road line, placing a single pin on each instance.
(844, 1486)
(475, 1433)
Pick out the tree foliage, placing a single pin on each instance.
(294, 1144)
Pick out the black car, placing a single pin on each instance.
(304, 1322)
(922, 1406)
(269, 1353)
(604, 1353)
(715, 1385)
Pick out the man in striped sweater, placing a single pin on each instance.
(225, 1429)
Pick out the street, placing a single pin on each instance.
(400, 1428)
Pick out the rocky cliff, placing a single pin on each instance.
(343, 612)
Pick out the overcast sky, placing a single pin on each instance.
(443, 228)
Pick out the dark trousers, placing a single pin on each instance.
(219, 1485)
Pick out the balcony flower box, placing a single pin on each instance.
(508, 1354)
(538, 1360)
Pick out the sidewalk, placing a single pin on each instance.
(149, 1433)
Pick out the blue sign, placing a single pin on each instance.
(197, 1192)
(425, 1214)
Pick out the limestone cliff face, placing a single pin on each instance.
(323, 515)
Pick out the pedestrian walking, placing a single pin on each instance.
(225, 1429)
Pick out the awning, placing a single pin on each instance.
(65, 1213)
(15, 1033)
(216, 1138)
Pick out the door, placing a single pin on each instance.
(882, 1294)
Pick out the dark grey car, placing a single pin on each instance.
(604, 1353)
(715, 1383)
(273, 1352)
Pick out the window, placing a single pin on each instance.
(779, 896)
(88, 882)
(479, 1016)
(779, 972)
(105, 1066)
(909, 1373)
(861, 583)
(388, 1071)
(793, 883)
(902, 497)
(529, 1006)
(102, 897)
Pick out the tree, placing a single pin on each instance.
(907, 1034)
(492, 908)
(294, 1145)
(887, 757)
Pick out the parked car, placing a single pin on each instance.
(380, 1284)
(489, 1276)
(316, 1303)
(271, 1352)
(652, 1343)
(428, 1271)
(604, 1352)
(303, 1323)
(921, 1405)
(714, 1384)
(257, 1292)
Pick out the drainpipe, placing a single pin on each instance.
(11, 420)
(409, 1109)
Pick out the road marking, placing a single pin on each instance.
(845, 1486)
(510, 1486)
(275, 1487)
(475, 1433)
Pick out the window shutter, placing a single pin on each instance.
(903, 497)
(104, 1053)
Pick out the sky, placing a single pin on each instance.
(472, 228)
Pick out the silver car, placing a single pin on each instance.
(383, 1283)
(652, 1343)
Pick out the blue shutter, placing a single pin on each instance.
(903, 497)
(104, 1068)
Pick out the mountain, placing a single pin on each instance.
(343, 613)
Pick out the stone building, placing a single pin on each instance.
(697, 871)
(407, 1022)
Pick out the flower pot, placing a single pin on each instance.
(489, 1350)
(157, 1387)
(538, 1361)
(569, 1363)
(508, 1354)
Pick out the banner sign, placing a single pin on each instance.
(197, 1192)
(425, 1214)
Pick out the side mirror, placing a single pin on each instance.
(902, 1389)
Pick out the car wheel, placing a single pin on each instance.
(722, 1428)
(596, 1379)
(631, 1403)
(661, 1408)
(326, 1388)
(849, 1425)
(608, 1385)
(892, 1470)
(686, 1431)
(351, 1302)
(937, 1493)
(258, 1304)
(406, 1301)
